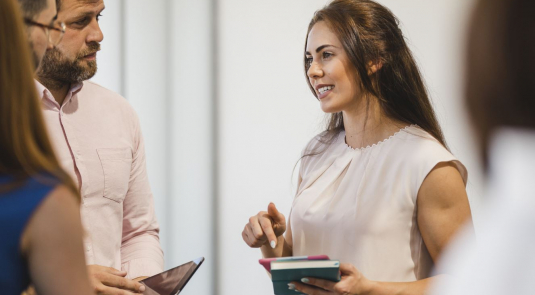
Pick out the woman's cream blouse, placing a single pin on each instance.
(359, 205)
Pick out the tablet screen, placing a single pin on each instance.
(172, 281)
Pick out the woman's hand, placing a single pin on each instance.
(264, 228)
(352, 283)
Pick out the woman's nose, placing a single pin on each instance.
(314, 70)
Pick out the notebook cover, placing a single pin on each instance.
(281, 277)
(266, 262)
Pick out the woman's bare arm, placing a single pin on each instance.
(443, 207)
(53, 245)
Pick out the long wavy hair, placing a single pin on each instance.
(25, 149)
(369, 32)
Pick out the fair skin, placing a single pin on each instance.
(442, 201)
(37, 35)
(82, 27)
(54, 233)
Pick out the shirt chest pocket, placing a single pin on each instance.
(116, 165)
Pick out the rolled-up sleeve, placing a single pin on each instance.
(141, 254)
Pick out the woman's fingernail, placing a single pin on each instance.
(273, 244)
(291, 286)
(304, 280)
(142, 288)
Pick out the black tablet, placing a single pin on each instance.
(172, 281)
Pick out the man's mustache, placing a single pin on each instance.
(92, 47)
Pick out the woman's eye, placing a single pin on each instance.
(308, 61)
(99, 16)
(327, 54)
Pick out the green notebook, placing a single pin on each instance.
(284, 272)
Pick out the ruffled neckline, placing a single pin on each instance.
(343, 139)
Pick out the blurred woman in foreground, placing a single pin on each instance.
(39, 203)
(500, 94)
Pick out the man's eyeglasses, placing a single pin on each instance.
(54, 34)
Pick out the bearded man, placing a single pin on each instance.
(42, 30)
(98, 140)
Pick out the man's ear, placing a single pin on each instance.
(373, 67)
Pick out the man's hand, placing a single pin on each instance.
(110, 281)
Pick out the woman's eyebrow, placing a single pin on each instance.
(320, 48)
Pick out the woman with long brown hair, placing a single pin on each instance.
(378, 189)
(39, 203)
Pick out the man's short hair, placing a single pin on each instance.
(31, 8)
(58, 3)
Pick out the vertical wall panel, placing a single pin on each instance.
(146, 88)
(190, 203)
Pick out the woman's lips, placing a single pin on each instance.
(324, 94)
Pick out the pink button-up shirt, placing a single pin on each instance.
(97, 139)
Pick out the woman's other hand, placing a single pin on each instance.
(351, 283)
(264, 228)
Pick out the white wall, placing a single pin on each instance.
(190, 109)
(225, 110)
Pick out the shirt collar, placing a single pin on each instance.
(40, 89)
(44, 93)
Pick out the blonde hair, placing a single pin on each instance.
(25, 149)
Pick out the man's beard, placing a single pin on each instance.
(57, 70)
(35, 58)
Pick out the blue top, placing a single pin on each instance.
(16, 208)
